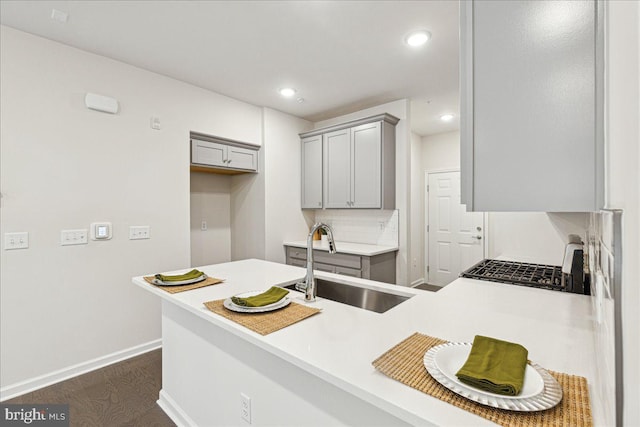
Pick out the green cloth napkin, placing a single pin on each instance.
(495, 366)
(274, 294)
(179, 277)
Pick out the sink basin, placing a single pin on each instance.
(356, 296)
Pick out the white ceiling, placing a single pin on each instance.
(341, 56)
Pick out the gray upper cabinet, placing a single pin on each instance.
(312, 172)
(532, 106)
(217, 155)
(358, 164)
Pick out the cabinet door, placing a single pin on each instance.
(337, 169)
(242, 158)
(208, 153)
(312, 172)
(531, 106)
(366, 166)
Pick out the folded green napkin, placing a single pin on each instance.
(495, 366)
(179, 277)
(274, 294)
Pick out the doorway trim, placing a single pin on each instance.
(425, 221)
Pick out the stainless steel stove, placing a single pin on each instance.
(517, 273)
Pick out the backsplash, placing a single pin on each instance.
(605, 258)
(374, 227)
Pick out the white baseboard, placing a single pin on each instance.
(27, 386)
(173, 410)
(417, 282)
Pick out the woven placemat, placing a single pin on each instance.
(404, 363)
(175, 289)
(265, 323)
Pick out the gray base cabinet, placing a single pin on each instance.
(381, 268)
(531, 105)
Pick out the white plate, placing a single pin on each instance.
(531, 399)
(242, 309)
(450, 359)
(180, 282)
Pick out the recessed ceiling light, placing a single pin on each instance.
(287, 92)
(418, 38)
(446, 117)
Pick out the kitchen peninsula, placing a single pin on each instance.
(318, 371)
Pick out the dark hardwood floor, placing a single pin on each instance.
(427, 287)
(122, 394)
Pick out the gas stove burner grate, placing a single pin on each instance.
(519, 273)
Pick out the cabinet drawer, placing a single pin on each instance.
(298, 253)
(342, 260)
(297, 262)
(349, 271)
(324, 267)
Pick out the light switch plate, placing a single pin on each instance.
(73, 237)
(138, 232)
(16, 240)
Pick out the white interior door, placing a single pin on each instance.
(455, 236)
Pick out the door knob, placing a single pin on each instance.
(477, 237)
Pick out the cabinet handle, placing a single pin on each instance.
(477, 237)
(229, 161)
(319, 203)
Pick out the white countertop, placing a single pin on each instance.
(339, 344)
(346, 247)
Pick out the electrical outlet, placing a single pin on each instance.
(73, 237)
(137, 232)
(245, 407)
(16, 241)
(203, 226)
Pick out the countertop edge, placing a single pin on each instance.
(363, 249)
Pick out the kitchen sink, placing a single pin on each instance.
(356, 296)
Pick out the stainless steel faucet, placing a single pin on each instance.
(309, 285)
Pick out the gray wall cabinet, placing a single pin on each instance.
(381, 268)
(358, 165)
(532, 106)
(218, 155)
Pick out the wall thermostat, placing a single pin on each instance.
(101, 231)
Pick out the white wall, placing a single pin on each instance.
(416, 270)
(537, 237)
(248, 214)
(210, 202)
(282, 151)
(399, 109)
(441, 151)
(64, 166)
(368, 226)
(623, 178)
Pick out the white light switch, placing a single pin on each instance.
(155, 123)
(73, 237)
(137, 232)
(16, 241)
(101, 231)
